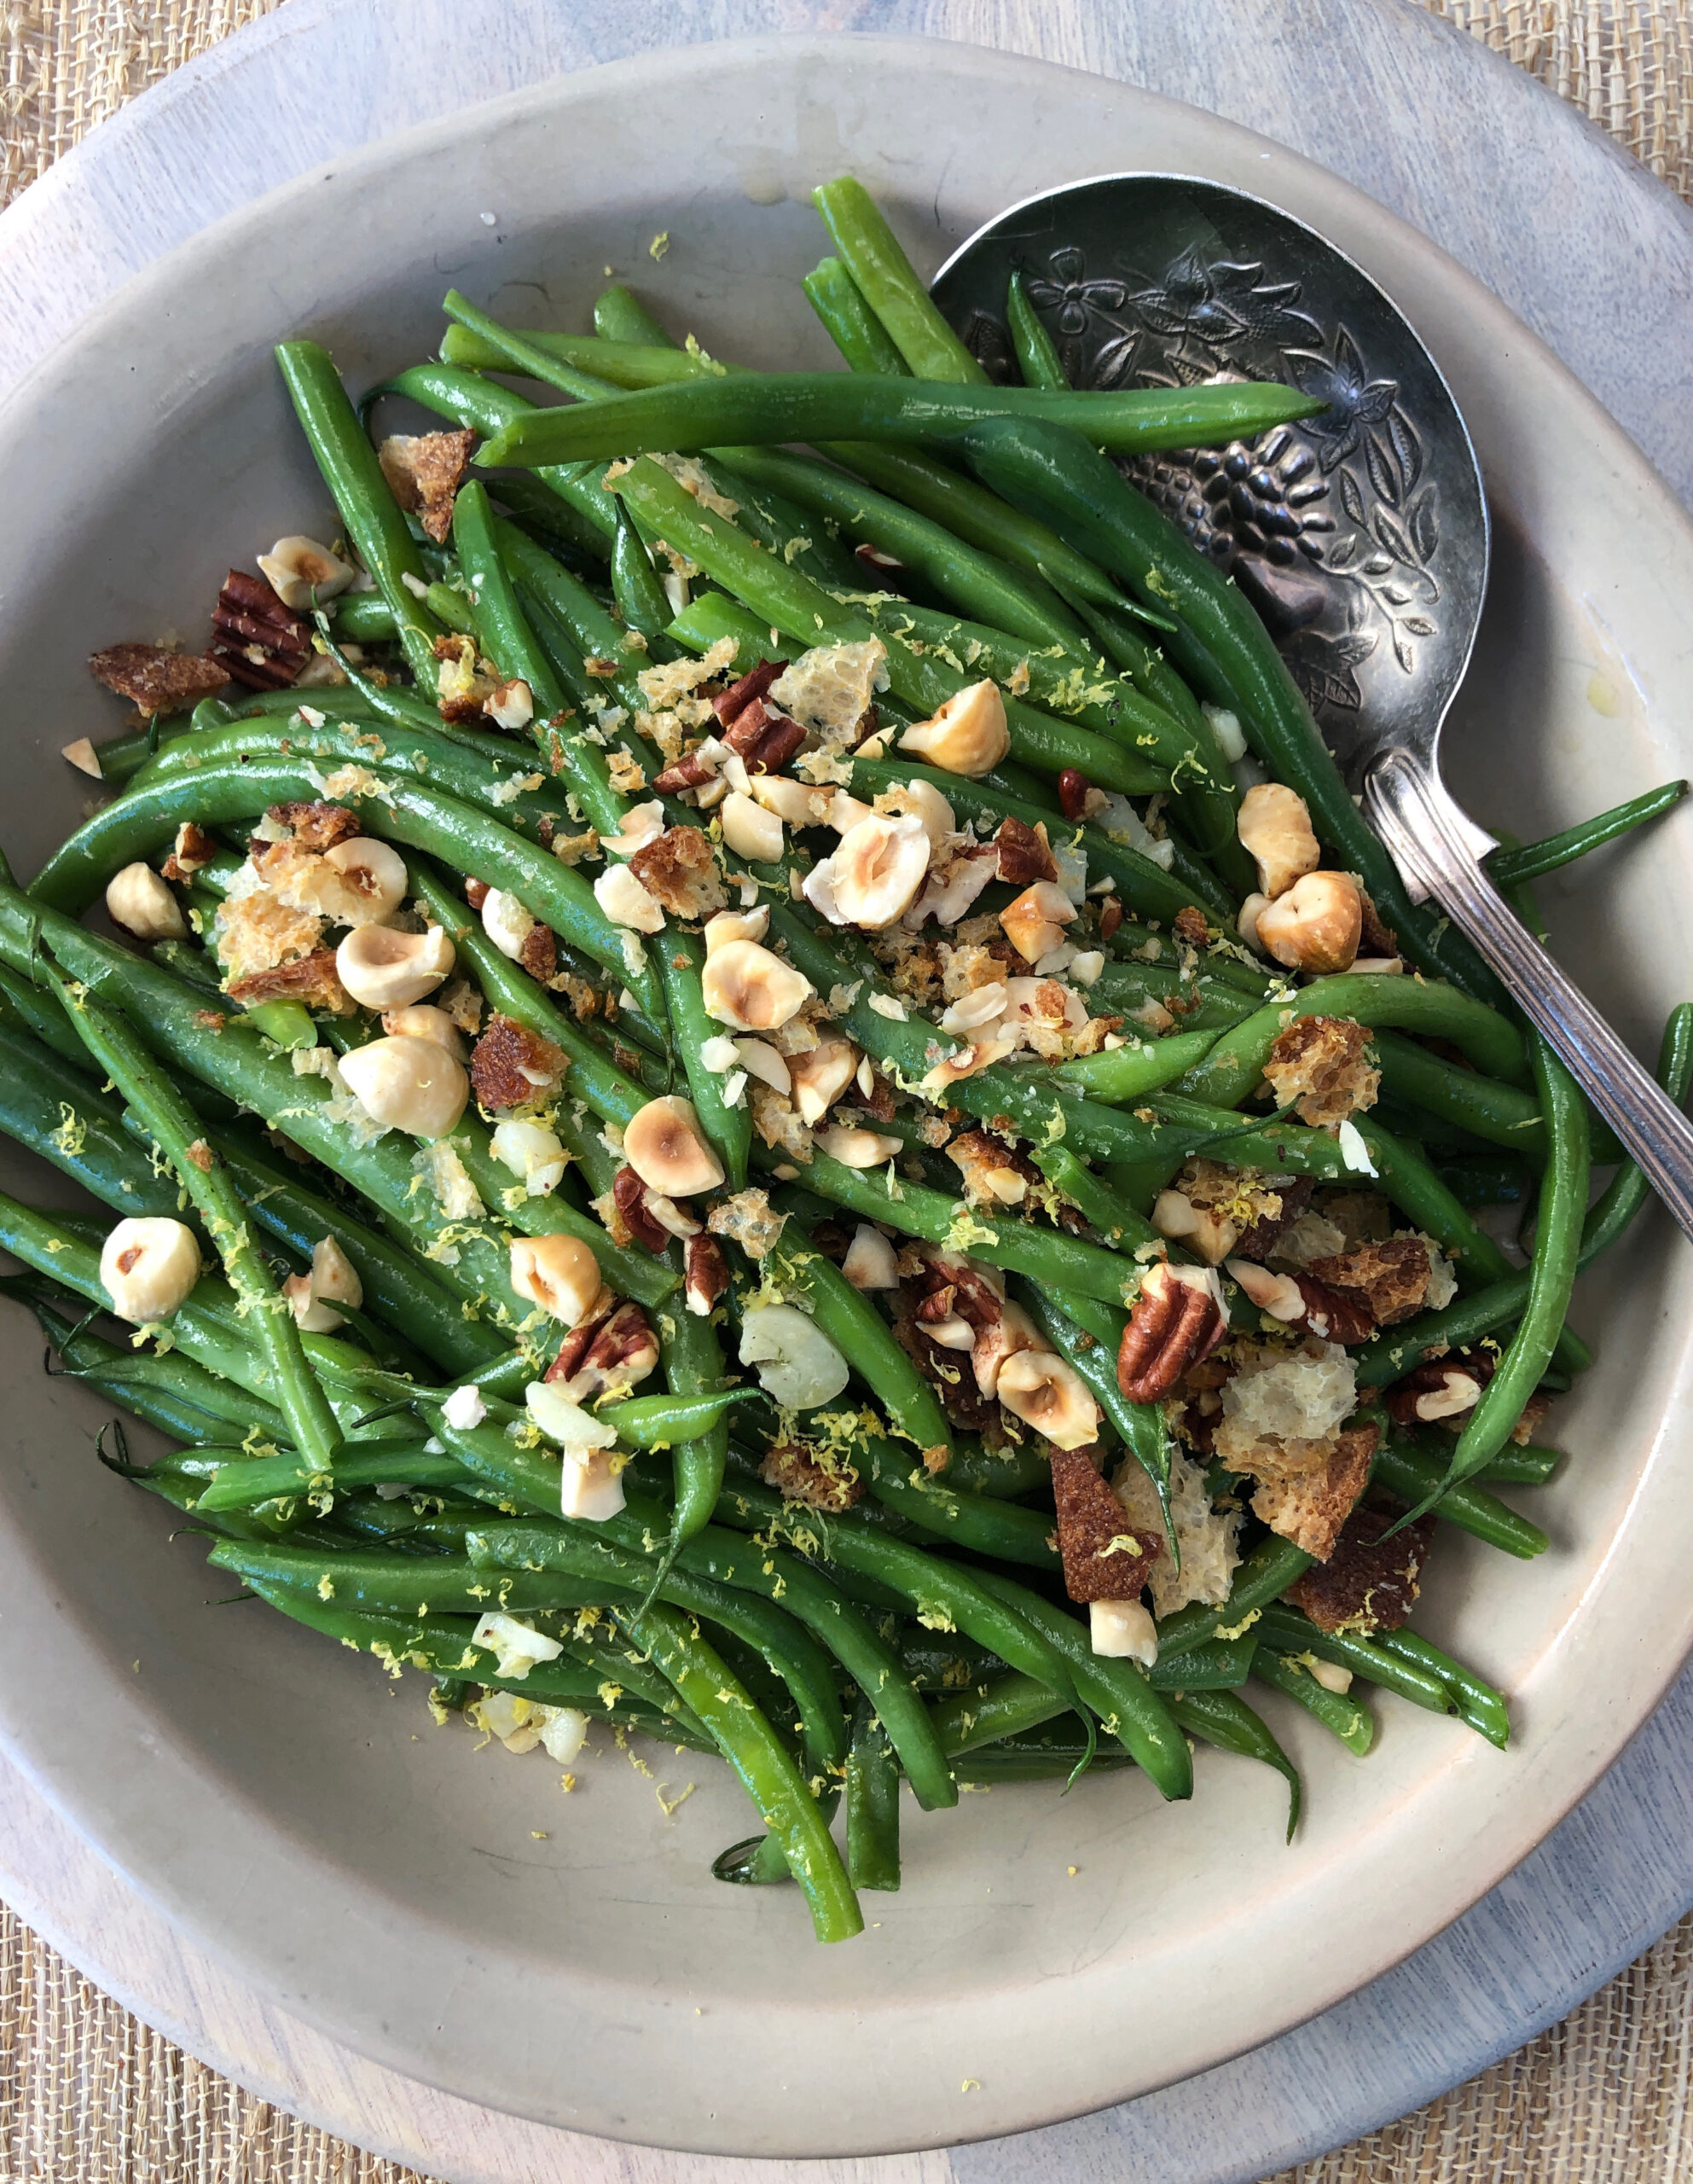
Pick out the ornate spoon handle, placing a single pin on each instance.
(1437, 849)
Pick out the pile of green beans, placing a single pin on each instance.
(869, 1590)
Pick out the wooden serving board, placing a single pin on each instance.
(1464, 146)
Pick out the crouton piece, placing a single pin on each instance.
(424, 471)
(1282, 1410)
(315, 826)
(1310, 1505)
(1104, 1557)
(1207, 1538)
(1024, 853)
(794, 1471)
(1368, 1583)
(1318, 1066)
(312, 979)
(512, 1066)
(993, 1174)
(1190, 926)
(1392, 1279)
(679, 871)
(157, 681)
(749, 1219)
(539, 955)
(1361, 1216)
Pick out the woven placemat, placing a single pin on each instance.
(89, 2096)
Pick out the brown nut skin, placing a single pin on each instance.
(1176, 1320)
(1315, 926)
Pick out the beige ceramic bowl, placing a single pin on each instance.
(448, 1912)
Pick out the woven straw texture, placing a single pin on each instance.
(89, 2096)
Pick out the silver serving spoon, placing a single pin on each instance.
(1360, 534)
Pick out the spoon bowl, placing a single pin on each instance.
(1360, 534)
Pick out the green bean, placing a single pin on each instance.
(475, 1264)
(55, 1111)
(946, 1594)
(363, 618)
(1510, 867)
(773, 407)
(501, 629)
(1476, 1700)
(851, 325)
(456, 611)
(705, 1681)
(1236, 1063)
(578, 1552)
(1557, 1245)
(1518, 1466)
(970, 580)
(1117, 1690)
(986, 1713)
(1339, 1712)
(1287, 1631)
(883, 276)
(619, 315)
(176, 1128)
(692, 1359)
(590, 629)
(972, 1521)
(1413, 1475)
(1628, 1189)
(1127, 1073)
(1481, 1106)
(1221, 644)
(1037, 358)
(407, 812)
(1117, 1222)
(443, 762)
(641, 598)
(367, 508)
(1220, 1664)
(1263, 1576)
(1043, 1254)
(1224, 1719)
(240, 1480)
(621, 364)
(858, 1331)
(872, 1804)
(164, 1388)
(1004, 1474)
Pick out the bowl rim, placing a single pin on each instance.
(631, 76)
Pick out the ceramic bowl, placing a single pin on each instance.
(448, 1910)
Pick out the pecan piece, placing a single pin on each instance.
(1367, 1584)
(512, 1066)
(1178, 1319)
(257, 641)
(476, 894)
(628, 1195)
(1301, 1302)
(706, 1274)
(689, 771)
(424, 471)
(1260, 1236)
(157, 681)
(1024, 853)
(729, 703)
(766, 741)
(798, 1476)
(312, 979)
(620, 1351)
(1440, 1389)
(1105, 1558)
(1375, 938)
